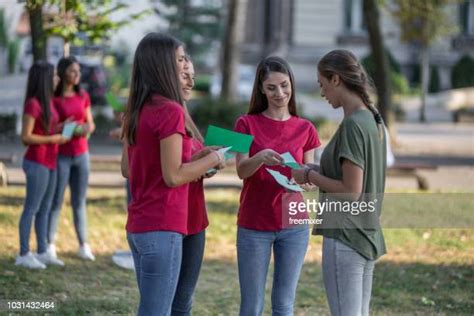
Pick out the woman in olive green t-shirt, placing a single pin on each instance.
(352, 170)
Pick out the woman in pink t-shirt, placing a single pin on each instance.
(156, 158)
(40, 123)
(273, 121)
(72, 104)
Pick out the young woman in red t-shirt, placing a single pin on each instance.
(273, 121)
(72, 103)
(157, 161)
(40, 123)
(194, 241)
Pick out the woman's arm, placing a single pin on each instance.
(89, 121)
(124, 160)
(351, 183)
(28, 138)
(308, 157)
(246, 166)
(176, 173)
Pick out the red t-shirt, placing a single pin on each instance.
(197, 218)
(261, 197)
(45, 154)
(155, 206)
(75, 107)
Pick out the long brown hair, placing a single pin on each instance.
(344, 64)
(259, 101)
(154, 71)
(40, 86)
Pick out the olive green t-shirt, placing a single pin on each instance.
(358, 140)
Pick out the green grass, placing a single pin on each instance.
(427, 271)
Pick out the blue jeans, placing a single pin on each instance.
(193, 253)
(157, 257)
(75, 171)
(347, 279)
(254, 250)
(40, 186)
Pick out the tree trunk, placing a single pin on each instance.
(231, 52)
(425, 74)
(67, 48)
(38, 36)
(382, 68)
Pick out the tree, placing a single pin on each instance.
(421, 23)
(382, 68)
(231, 50)
(4, 39)
(72, 20)
(38, 36)
(198, 26)
(77, 19)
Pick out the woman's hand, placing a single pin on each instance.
(60, 126)
(270, 157)
(204, 152)
(58, 139)
(308, 187)
(298, 175)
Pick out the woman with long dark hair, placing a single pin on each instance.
(72, 103)
(156, 158)
(273, 121)
(352, 169)
(39, 133)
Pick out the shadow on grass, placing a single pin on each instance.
(111, 204)
(12, 200)
(102, 288)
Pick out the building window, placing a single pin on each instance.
(466, 15)
(353, 16)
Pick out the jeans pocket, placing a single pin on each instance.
(144, 242)
(341, 247)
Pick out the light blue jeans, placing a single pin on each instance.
(254, 249)
(193, 253)
(157, 257)
(347, 279)
(75, 171)
(40, 186)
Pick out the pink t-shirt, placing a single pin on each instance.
(44, 154)
(75, 107)
(261, 197)
(197, 218)
(155, 206)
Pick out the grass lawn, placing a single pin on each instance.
(426, 272)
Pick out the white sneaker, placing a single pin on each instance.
(86, 253)
(124, 259)
(52, 251)
(47, 259)
(29, 261)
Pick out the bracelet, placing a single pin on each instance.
(306, 175)
(219, 160)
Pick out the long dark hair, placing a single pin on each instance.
(40, 86)
(259, 102)
(63, 64)
(345, 64)
(154, 71)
